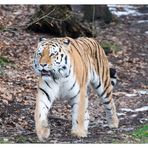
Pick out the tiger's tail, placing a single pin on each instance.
(113, 76)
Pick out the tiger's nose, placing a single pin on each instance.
(43, 65)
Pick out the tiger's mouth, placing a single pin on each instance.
(46, 73)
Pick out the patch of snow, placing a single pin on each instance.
(127, 10)
(104, 125)
(143, 120)
(143, 21)
(130, 95)
(134, 115)
(112, 7)
(122, 119)
(121, 114)
(5, 139)
(144, 108)
(127, 129)
(127, 110)
(142, 92)
(142, 54)
(136, 92)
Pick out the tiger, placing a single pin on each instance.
(66, 67)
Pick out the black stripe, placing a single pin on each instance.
(47, 107)
(68, 74)
(73, 105)
(54, 79)
(75, 95)
(73, 86)
(60, 49)
(65, 59)
(74, 45)
(45, 94)
(96, 57)
(61, 57)
(105, 83)
(112, 82)
(86, 43)
(99, 52)
(105, 90)
(107, 102)
(47, 84)
(77, 48)
(109, 109)
(103, 72)
(94, 43)
(56, 44)
(98, 86)
(108, 94)
(89, 43)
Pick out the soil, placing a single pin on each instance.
(18, 82)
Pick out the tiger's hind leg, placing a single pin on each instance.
(80, 116)
(110, 110)
(106, 96)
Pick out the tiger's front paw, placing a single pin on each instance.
(78, 132)
(43, 131)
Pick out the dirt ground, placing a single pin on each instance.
(18, 82)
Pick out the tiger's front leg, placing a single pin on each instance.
(80, 116)
(43, 105)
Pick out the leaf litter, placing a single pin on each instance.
(18, 85)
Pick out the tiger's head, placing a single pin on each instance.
(51, 58)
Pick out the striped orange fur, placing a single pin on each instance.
(66, 67)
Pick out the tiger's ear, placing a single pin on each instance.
(42, 39)
(66, 41)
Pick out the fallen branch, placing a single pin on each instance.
(40, 18)
(57, 118)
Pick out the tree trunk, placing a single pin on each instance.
(58, 20)
(94, 12)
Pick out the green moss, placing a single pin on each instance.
(141, 133)
(4, 141)
(21, 139)
(110, 47)
(3, 61)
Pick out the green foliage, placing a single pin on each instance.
(3, 61)
(4, 141)
(141, 133)
(21, 139)
(110, 47)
